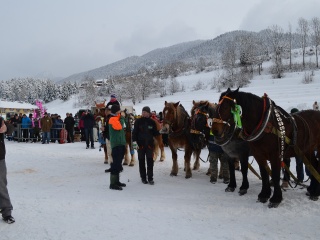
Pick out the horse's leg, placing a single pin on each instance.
(265, 193)
(244, 170)
(131, 164)
(276, 199)
(187, 159)
(174, 170)
(156, 149)
(161, 146)
(233, 183)
(196, 164)
(105, 153)
(126, 156)
(109, 151)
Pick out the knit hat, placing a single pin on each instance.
(113, 96)
(293, 110)
(146, 109)
(115, 108)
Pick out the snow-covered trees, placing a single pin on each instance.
(303, 31)
(315, 35)
(277, 40)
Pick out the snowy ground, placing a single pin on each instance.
(60, 191)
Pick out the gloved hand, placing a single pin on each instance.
(135, 145)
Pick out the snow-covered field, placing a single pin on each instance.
(60, 191)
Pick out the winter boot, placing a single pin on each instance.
(118, 181)
(113, 182)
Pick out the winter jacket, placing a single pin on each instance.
(46, 124)
(88, 121)
(109, 104)
(69, 123)
(25, 122)
(116, 132)
(144, 131)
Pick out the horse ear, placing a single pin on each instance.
(165, 102)
(176, 104)
(193, 102)
(236, 91)
(228, 90)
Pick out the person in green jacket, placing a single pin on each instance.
(118, 143)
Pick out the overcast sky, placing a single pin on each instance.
(57, 38)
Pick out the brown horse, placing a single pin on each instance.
(272, 135)
(176, 122)
(158, 144)
(129, 151)
(100, 113)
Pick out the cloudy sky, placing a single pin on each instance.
(57, 38)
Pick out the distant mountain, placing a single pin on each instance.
(161, 56)
(185, 52)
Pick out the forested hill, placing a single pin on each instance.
(188, 52)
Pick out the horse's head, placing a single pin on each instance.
(200, 130)
(169, 116)
(223, 124)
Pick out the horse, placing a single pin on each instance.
(272, 135)
(158, 144)
(129, 151)
(236, 148)
(100, 113)
(176, 122)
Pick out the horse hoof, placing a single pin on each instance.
(229, 189)
(125, 164)
(242, 192)
(131, 164)
(314, 198)
(173, 174)
(188, 177)
(161, 160)
(262, 200)
(105, 162)
(273, 205)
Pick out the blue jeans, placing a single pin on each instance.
(45, 136)
(89, 134)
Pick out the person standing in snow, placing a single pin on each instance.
(118, 143)
(142, 136)
(315, 106)
(5, 202)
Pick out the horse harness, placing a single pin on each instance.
(265, 126)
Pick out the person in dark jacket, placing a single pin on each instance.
(142, 136)
(5, 202)
(69, 125)
(88, 124)
(113, 101)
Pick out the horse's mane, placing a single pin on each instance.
(203, 103)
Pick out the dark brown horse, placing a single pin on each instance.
(236, 148)
(176, 122)
(272, 135)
